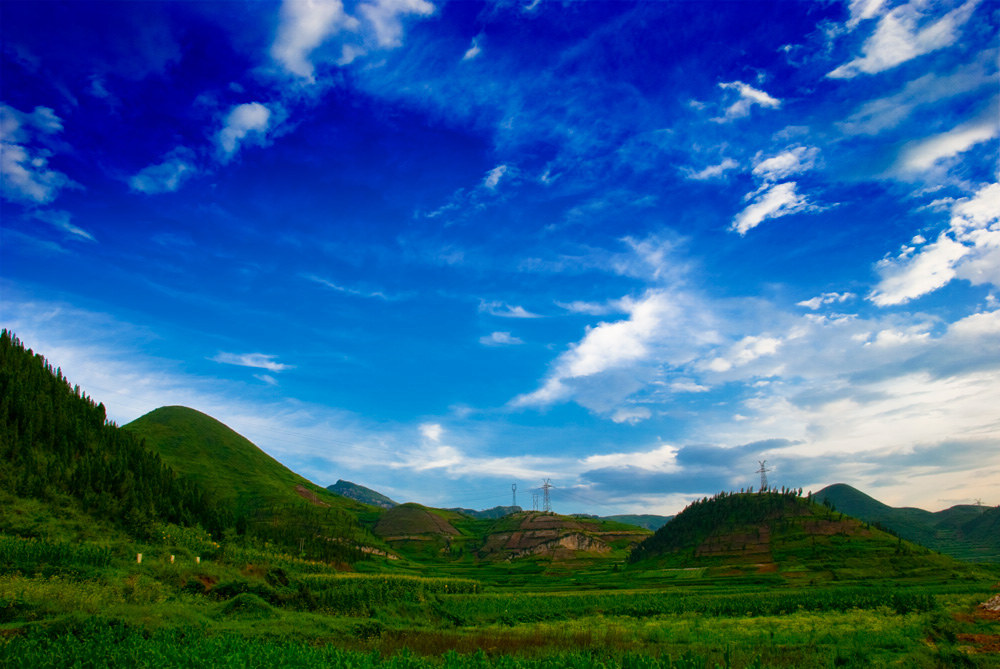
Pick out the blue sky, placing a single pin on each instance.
(438, 248)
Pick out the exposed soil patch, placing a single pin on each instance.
(981, 643)
(308, 495)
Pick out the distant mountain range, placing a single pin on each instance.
(965, 531)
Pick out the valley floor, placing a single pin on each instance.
(67, 605)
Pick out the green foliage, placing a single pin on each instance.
(55, 441)
(717, 514)
(31, 555)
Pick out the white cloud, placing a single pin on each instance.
(255, 360)
(712, 171)
(793, 161)
(592, 308)
(474, 50)
(631, 415)
(902, 35)
(983, 324)
(862, 10)
(167, 176)
(305, 25)
(748, 97)
(432, 432)
(770, 201)
(494, 176)
(24, 172)
(969, 249)
(744, 352)
(500, 339)
(245, 122)
(605, 347)
(662, 458)
(905, 278)
(922, 155)
(266, 378)
(826, 298)
(504, 310)
(385, 18)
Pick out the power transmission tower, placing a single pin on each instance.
(513, 492)
(534, 501)
(763, 475)
(546, 504)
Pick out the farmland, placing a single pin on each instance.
(67, 604)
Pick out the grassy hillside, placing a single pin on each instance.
(361, 494)
(966, 532)
(786, 538)
(265, 497)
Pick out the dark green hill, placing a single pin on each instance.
(56, 445)
(265, 497)
(785, 535)
(956, 531)
(361, 494)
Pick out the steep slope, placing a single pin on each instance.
(953, 531)
(361, 494)
(56, 445)
(784, 534)
(266, 498)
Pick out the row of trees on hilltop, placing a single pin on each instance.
(722, 512)
(56, 441)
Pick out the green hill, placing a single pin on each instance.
(965, 531)
(266, 498)
(786, 536)
(361, 494)
(57, 446)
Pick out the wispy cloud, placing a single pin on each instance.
(504, 310)
(167, 176)
(924, 154)
(62, 220)
(500, 339)
(769, 201)
(378, 294)
(244, 123)
(255, 360)
(748, 97)
(904, 34)
(826, 298)
(712, 171)
(24, 167)
(783, 165)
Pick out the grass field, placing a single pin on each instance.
(84, 604)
